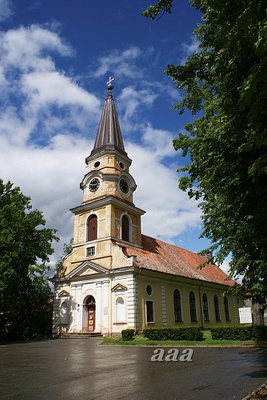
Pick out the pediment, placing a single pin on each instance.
(63, 293)
(119, 288)
(87, 268)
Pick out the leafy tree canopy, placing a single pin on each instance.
(224, 86)
(25, 248)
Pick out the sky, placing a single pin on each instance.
(55, 59)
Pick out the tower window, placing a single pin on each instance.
(90, 251)
(125, 228)
(92, 228)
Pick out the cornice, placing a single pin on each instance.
(104, 201)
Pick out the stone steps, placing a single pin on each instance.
(81, 335)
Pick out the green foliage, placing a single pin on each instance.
(161, 6)
(190, 333)
(257, 333)
(25, 294)
(127, 334)
(224, 87)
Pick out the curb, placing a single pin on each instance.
(260, 393)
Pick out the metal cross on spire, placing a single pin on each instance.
(109, 83)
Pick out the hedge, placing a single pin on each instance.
(127, 334)
(190, 333)
(252, 332)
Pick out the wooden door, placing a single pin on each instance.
(91, 318)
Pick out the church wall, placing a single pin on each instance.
(163, 302)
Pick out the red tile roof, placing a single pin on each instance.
(160, 256)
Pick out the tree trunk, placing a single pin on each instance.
(258, 312)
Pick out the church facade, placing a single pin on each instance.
(115, 277)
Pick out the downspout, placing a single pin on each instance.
(200, 304)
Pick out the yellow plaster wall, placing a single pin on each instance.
(184, 288)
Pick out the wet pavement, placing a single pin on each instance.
(81, 369)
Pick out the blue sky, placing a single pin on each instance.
(56, 56)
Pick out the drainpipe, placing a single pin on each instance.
(200, 304)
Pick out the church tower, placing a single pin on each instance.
(107, 213)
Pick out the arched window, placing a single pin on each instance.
(63, 314)
(177, 306)
(120, 310)
(125, 228)
(226, 308)
(92, 228)
(217, 308)
(205, 307)
(193, 310)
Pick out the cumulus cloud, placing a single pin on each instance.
(30, 48)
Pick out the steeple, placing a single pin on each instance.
(109, 135)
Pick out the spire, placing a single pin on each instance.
(109, 133)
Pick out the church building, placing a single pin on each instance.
(115, 277)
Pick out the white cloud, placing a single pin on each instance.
(158, 141)
(6, 9)
(131, 102)
(44, 88)
(30, 48)
(121, 61)
(187, 49)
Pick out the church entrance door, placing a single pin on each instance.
(90, 303)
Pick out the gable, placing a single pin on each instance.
(87, 268)
(119, 288)
(63, 293)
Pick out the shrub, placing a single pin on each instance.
(191, 333)
(252, 332)
(127, 334)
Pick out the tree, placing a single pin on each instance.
(224, 87)
(25, 294)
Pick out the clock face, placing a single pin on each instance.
(94, 185)
(124, 187)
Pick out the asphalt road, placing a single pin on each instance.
(67, 369)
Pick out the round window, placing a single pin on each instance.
(121, 164)
(96, 164)
(149, 290)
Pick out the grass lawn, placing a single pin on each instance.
(140, 340)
